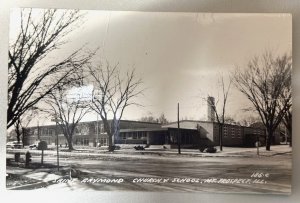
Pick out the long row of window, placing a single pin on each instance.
(44, 131)
(80, 129)
(237, 131)
(134, 135)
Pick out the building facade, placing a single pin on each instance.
(192, 134)
(86, 133)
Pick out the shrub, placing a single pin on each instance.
(114, 147)
(139, 147)
(211, 150)
(42, 145)
(202, 149)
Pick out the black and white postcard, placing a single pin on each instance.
(149, 101)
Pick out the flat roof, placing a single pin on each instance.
(100, 121)
(151, 129)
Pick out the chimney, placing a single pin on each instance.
(210, 109)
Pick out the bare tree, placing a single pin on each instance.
(113, 94)
(220, 114)
(31, 76)
(230, 120)
(264, 82)
(161, 119)
(67, 111)
(150, 119)
(249, 120)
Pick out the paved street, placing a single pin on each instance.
(175, 173)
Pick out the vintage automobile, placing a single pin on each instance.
(33, 146)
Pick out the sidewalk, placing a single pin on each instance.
(36, 178)
(148, 153)
(234, 152)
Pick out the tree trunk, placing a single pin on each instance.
(70, 144)
(19, 134)
(269, 136)
(111, 135)
(110, 142)
(23, 139)
(108, 129)
(289, 131)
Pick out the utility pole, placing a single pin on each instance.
(178, 135)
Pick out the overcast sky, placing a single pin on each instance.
(180, 55)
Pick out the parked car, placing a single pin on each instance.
(33, 146)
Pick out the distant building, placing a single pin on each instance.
(193, 134)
